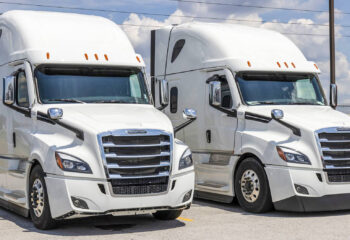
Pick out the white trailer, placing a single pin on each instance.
(265, 133)
(79, 135)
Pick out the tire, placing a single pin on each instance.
(167, 215)
(251, 178)
(39, 207)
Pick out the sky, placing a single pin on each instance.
(153, 13)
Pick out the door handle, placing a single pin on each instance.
(208, 135)
(14, 139)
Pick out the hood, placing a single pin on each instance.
(99, 118)
(306, 117)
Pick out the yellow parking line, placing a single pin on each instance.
(185, 219)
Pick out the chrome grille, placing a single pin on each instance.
(335, 150)
(137, 161)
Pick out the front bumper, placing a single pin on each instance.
(322, 195)
(60, 190)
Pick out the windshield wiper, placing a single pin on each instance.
(111, 101)
(71, 100)
(263, 103)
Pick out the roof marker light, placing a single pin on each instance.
(279, 65)
(249, 64)
(86, 56)
(96, 56)
(286, 64)
(138, 59)
(48, 55)
(316, 66)
(106, 57)
(293, 65)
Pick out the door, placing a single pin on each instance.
(213, 163)
(20, 136)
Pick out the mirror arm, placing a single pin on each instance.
(183, 125)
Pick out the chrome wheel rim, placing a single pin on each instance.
(37, 198)
(250, 186)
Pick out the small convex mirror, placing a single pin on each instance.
(189, 114)
(55, 113)
(164, 92)
(9, 90)
(215, 93)
(277, 114)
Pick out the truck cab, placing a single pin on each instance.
(265, 133)
(79, 135)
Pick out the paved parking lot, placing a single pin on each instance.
(205, 220)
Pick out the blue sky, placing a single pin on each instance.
(315, 48)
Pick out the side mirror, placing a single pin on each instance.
(277, 114)
(189, 114)
(55, 113)
(9, 90)
(334, 97)
(164, 92)
(215, 93)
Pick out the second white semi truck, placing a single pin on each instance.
(265, 133)
(79, 135)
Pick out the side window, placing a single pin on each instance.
(173, 99)
(226, 99)
(177, 49)
(22, 90)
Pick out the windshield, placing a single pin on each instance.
(59, 84)
(280, 89)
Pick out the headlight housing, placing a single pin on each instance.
(69, 163)
(186, 159)
(292, 156)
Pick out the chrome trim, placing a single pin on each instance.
(325, 149)
(160, 174)
(114, 155)
(137, 132)
(137, 145)
(114, 166)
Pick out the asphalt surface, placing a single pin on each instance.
(205, 220)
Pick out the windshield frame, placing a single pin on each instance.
(238, 74)
(37, 68)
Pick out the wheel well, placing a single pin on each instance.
(34, 163)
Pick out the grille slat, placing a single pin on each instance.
(335, 149)
(138, 163)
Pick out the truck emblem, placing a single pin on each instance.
(136, 131)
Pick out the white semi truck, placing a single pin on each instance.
(79, 135)
(264, 133)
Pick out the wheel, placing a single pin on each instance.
(167, 215)
(39, 207)
(252, 187)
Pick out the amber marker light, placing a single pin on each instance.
(58, 161)
(249, 64)
(285, 64)
(293, 65)
(281, 153)
(86, 56)
(316, 66)
(278, 64)
(48, 55)
(96, 56)
(138, 59)
(106, 57)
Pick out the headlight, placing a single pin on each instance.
(292, 156)
(186, 159)
(71, 164)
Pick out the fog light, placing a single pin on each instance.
(301, 189)
(79, 203)
(187, 196)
